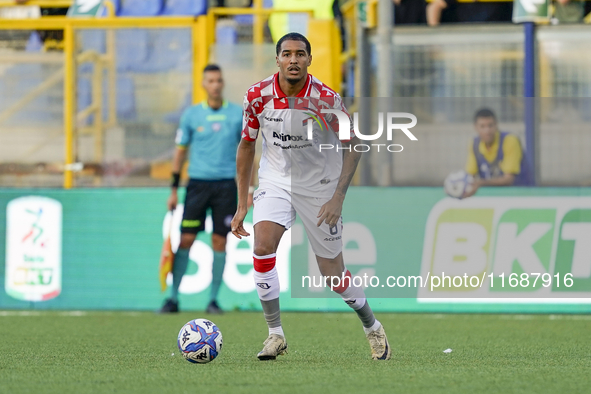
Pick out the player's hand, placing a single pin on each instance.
(172, 200)
(238, 224)
(330, 213)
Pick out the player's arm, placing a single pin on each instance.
(178, 160)
(244, 163)
(472, 169)
(505, 180)
(252, 184)
(182, 140)
(331, 211)
(434, 11)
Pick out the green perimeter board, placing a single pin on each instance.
(112, 240)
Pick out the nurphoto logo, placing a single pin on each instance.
(345, 128)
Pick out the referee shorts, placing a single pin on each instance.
(219, 196)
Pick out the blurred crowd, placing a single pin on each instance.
(436, 12)
(407, 12)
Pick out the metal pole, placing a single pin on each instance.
(69, 103)
(363, 94)
(385, 78)
(384, 48)
(112, 75)
(363, 63)
(529, 80)
(258, 23)
(200, 53)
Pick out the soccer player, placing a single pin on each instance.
(295, 176)
(211, 132)
(494, 156)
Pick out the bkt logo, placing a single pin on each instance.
(287, 137)
(345, 129)
(494, 238)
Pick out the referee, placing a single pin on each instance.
(208, 134)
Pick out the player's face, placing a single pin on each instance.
(486, 129)
(293, 61)
(213, 83)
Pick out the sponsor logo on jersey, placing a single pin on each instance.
(292, 146)
(259, 196)
(273, 119)
(332, 238)
(288, 137)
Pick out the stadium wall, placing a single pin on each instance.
(99, 249)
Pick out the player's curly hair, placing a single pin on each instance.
(293, 37)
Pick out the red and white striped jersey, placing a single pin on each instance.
(291, 159)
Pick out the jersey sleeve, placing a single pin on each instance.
(512, 155)
(471, 163)
(184, 134)
(250, 122)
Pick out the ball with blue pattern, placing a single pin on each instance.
(200, 341)
(458, 183)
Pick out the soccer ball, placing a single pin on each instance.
(457, 183)
(200, 341)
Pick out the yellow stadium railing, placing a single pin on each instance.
(40, 3)
(68, 25)
(203, 36)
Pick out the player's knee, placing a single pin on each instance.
(264, 250)
(187, 240)
(218, 242)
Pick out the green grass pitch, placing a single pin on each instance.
(117, 352)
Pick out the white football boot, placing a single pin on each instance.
(380, 349)
(275, 345)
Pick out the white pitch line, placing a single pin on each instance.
(67, 313)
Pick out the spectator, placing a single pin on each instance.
(410, 12)
(451, 11)
(568, 11)
(494, 157)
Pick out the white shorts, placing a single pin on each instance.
(274, 204)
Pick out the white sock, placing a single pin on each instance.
(354, 297)
(277, 330)
(267, 284)
(375, 326)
